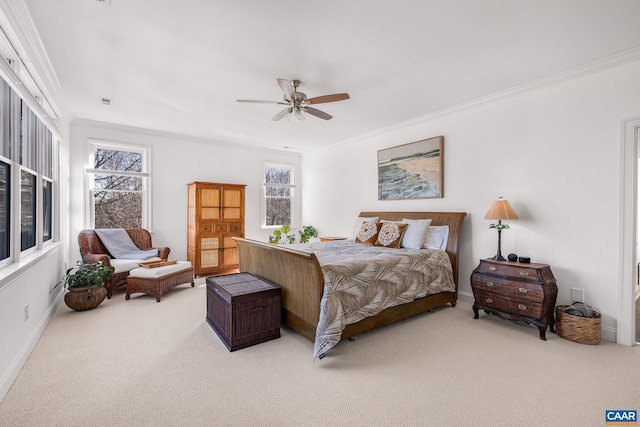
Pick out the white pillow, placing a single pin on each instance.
(437, 237)
(416, 233)
(359, 222)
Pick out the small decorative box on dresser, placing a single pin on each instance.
(243, 309)
(516, 291)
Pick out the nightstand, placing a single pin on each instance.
(516, 291)
(331, 239)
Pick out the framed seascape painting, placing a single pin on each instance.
(412, 171)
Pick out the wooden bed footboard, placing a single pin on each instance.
(298, 274)
(300, 277)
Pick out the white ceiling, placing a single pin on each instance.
(178, 66)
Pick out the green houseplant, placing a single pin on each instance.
(282, 235)
(84, 282)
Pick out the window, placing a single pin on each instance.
(47, 210)
(5, 210)
(278, 195)
(119, 182)
(26, 178)
(27, 210)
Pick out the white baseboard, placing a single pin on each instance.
(14, 369)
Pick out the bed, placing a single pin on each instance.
(300, 275)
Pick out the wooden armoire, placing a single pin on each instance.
(215, 215)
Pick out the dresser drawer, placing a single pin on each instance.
(205, 228)
(508, 287)
(521, 271)
(505, 304)
(236, 227)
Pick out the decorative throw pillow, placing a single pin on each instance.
(368, 232)
(359, 222)
(390, 234)
(416, 233)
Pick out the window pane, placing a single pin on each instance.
(117, 160)
(27, 210)
(28, 138)
(47, 208)
(277, 176)
(117, 182)
(118, 209)
(5, 209)
(278, 191)
(278, 211)
(44, 150)
(5, 119)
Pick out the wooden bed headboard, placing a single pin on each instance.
(452, 219)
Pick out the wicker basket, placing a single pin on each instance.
(585, 330)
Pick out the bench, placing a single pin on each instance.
(157, 281)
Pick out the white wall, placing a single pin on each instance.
(553, 152)
(33, 281)
(176, 161)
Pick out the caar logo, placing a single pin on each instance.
(621, 417)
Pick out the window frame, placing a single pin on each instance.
(145, 175)
(31, 148)
(292, 186)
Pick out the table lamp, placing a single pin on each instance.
(500, 209)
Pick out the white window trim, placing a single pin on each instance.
(93, 143)
(294, 196)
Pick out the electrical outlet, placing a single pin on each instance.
(26, 312)
(577, 295)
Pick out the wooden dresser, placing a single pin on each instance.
(516, 291)
(215, 215)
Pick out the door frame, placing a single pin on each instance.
(627, 273)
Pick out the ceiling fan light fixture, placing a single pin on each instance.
(298, 103)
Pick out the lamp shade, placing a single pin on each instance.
(501, 209)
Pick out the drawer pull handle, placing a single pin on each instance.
(490, 284)
(523, 290)
(522, 307)
(492, 268)
(489, 300)
(524, 273)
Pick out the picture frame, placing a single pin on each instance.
(412, 171)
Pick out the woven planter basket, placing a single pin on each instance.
(584, 330)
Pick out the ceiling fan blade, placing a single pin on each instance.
(254, 101)
(317, 113)
(289, 91)
(328, 98)
(280, 115)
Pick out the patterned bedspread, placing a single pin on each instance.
(363, 280)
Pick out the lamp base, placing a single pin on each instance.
(499, 258)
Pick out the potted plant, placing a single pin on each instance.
(282, 235)
(84, 282)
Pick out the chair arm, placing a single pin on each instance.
(163, 252)
(96, 258)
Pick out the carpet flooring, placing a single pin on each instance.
(143, 363)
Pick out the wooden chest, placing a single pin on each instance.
(516, 291)
(243, 309)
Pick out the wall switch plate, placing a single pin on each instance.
(577, 295)
(26, 312)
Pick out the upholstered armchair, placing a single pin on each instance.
(93, 251)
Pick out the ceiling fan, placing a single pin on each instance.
(297, 103)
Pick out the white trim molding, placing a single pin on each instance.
(627, 280)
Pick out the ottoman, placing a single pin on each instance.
(157, 281)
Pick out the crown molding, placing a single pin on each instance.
(169, 135)
(20, 30)
(617, 60)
